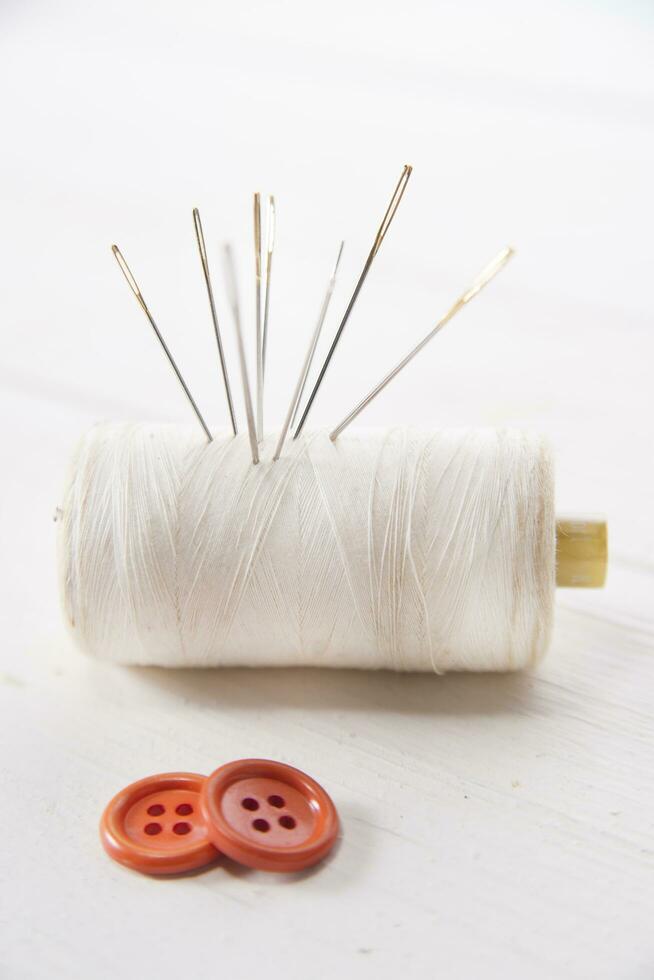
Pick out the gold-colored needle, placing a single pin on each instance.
(199, 234)
(133, 285)
(379, 238)
(232, 295)
(484, 277)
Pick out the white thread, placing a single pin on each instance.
(398, 548)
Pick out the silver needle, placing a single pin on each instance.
(299, 388)
(270, 245)
(232, 295)
(482, 280)
(314, 339)
(379, 238)
(133, 285)
(199, 234)
(259, 337)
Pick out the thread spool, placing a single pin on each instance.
(397, 548)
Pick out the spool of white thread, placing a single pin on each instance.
(398, 548)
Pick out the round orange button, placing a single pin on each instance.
(155, 825)
(268, 815)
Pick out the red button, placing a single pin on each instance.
(268, 815)
(155, 825)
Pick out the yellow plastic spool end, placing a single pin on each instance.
(581, 552)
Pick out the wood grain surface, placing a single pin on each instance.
(492, 826)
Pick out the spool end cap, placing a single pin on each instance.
(581, 552)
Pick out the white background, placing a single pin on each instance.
(492, 826)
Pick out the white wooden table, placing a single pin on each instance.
(493, 826)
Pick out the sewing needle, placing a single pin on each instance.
(232, 295)
(379, 238)
(484, 277)
(259, 337)
(199, 234)
(306, 367)
(270, 245)
(133, 285)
